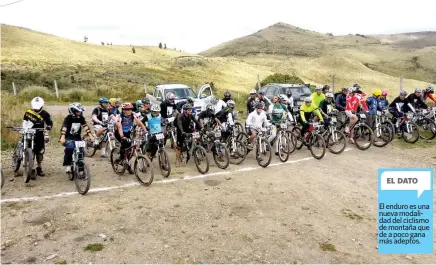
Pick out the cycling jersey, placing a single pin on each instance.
(220, 105)
(166, 110)
(74, 126)
(326, 107)
(155, 124)
(382, 104)
(38, 119)
(277, 113)
(100, 114)
(225, 115)
(417, 102)
(317, 98)
(206, 117)
(372, 103)
(308, 110)
(127, 122)
(352, 103)
(251, 105)
(341, 102)
(430, 96)
(184, 123)
(401, 105)
(256, 120)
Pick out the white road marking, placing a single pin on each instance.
(97, 190)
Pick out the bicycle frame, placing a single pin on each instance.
(78, 153)
(406, 120)
(191, 139)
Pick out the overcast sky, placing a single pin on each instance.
(196, 25)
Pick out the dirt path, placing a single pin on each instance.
(287, 213)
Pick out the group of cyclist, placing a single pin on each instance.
(154, 118)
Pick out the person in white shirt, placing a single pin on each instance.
(220, 106)
(256, 119)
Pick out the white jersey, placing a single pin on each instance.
(219, 106)
(290, 101)
(256, 120)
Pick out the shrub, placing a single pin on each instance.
(280, 78)
(30, 92)
(77, 94)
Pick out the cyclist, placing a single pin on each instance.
(353, 102)
(208, 117)
(317, 96)
(184, 126)
(416, 99)
(179, 106)
(428, 93)
(145, 107)
(114, 106)
(325, 89)
(290, 101)
(38, 117)
(278, 115)
(225, 117)
(251, 102)
(399, 106)
(261, 98)
(383, 102)
(256, 119)
(306, 112)
(227, 97)
(100, 117)
(168, 107)
(327, 105)
(222, 103)
(124, 125)
(372, 103)
(155, 125)
(71, 131)
(341, 99)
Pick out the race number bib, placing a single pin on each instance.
(170, 111)
(75, 127)
(104, 116)
(329, 108)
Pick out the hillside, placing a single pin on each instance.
(386, 54)
(34, 58)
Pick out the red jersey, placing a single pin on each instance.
(352, 103)
(430, 96)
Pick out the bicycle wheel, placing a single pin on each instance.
(284, 146)
(28, 169)
(110, 144)
(413, 135)
(221, 156)
(336, 142)
(116, 161)
(89, 149)
(200, 159)
(237, 153)
(363, 136)
(266, 152)
(238, 127)
(82, 177)
(144, 170)
(427, 129)
(293, 141)
(391, 126)
(17, 157)
(317, 146)
(296, 131)
(243, 137)
(164, 163)
(382, 136)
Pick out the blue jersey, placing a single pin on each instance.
(372, 103)
(154, 124)
(382, 104)
(127, 123)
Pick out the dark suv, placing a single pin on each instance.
(299, 91)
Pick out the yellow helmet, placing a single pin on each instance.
(112, 101)
(377, 92)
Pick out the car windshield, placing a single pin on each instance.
(181, 93)
(298, 91)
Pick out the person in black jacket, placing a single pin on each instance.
(38, 117)
(341, 100)
(416, 99)
(184, 124)
(168, 107)
(251, 102)
(399, 106)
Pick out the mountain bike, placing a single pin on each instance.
(312, 139)
(24, 150)
(171, 132)
(211, 141)
(237, 149)
(335, 140)
(260, 143)
(142, 165)
(382, 131)
(80, 173)
(107, 138)
(163, 158)
(408, 130)
(361, 132)
(426, 126)
(192, 147)
(285, 144)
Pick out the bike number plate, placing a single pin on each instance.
(283, 126)
(159, 136)
(171, 119)
(334, 119)
(363, 116)
(217, 134)
(379, 113)
(195, 135)
(80, 144)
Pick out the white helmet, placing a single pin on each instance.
(37, 104)
(329, 95)
(253, 91)
(155, 107)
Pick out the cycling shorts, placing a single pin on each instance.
(350, 114)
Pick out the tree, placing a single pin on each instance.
(133, 50)
(165, 46)
(160, 45)
(280, 78)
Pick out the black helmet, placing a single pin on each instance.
(326, 87)
(430, 90)
(356, 85)
(227, 95)
(145, 101)
(289, 92)
(187, 106)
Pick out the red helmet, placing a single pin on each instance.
(384, 94)
(127, 106)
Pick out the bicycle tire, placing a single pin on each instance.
(311, 143)
(29, 165)
(226, 157)
(414, 128)
(17, 158)
(115, 151)
(267, 146)
(197, 161)
(432, 131)
(108, 148)
(149, 167)
(89, 149)
(238, 127)
(386, 137)
(296, 131)
(391, 126)
(77, 179)
(285, 150)
(293, 139)
(164, 156)
(241, 151)
(370, 134)
(342, 136)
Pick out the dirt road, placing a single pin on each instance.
(305, 211)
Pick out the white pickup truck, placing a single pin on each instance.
(182, 93)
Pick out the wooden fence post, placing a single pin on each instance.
(14, 88)
(258, 81)
(56, 89)
(145, 88)
(401, 83)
